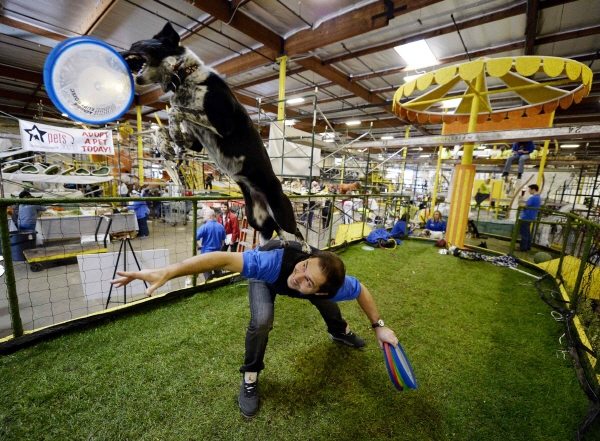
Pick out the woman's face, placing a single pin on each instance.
(437, 216)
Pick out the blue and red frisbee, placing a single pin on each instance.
(398, 367)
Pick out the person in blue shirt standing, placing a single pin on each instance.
(521, 150)
(319, 277)
(141, 213)
(212, 234)
(528, 215)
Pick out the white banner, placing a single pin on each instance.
(42, 138)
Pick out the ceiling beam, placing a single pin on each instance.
(97, 14)
(35, 30)
(17, 73)
(236, 18)
(444, 30)
(531, 19)
(250, 60)
(10, 95)
(349, 25)
(568, 35)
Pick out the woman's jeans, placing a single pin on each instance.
(262, 308)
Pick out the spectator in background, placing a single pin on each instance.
(208, 181)
(28, 214)
(521, 151)
(483, 192)
(212, 234)
(326, 213)
(400, 228)
(232, 228)
(436, 223)
(123, 192)
(528, 215)
(141, 213)
(156, 205)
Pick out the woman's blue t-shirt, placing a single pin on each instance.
(266, 265)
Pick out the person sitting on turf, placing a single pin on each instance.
(521, 150)
(319, 277)
(400, 228)
(435, 225)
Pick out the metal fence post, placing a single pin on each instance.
(584, 257)
(513, 241)
(11, 285)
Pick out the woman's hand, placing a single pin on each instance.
(155, 278)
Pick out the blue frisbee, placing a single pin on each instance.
(392, 372)
(404, 368)
(88, 80)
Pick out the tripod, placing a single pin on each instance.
(124, 241)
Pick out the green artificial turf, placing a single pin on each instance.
(482, 345)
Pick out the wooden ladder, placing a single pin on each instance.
(247, 237)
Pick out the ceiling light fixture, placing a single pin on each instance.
(569, 146)
(387, 137)
(295, 100)
(409, 78)
(289, 122)
(424, 156)
(451, 104)
(353, 123)
(416, 54)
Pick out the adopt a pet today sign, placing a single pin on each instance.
(44, 138)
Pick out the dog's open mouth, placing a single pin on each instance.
(137, 64)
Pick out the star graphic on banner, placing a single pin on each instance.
(35, 133)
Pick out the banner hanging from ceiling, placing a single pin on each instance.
(43, 138)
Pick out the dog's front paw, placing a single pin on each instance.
(306, 247)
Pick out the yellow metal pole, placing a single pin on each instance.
(463, 179)
(281, 104)
(544, 154)
(140, 147)
(406, 135)
(437, 178)
(469, 147)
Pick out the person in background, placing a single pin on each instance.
(232, 228)
(141, 213)
(208, 181)
(436, 223)
(212, 234)
(521, 151)
(483, 192)
(326, 213)
(28, 214)
(272, 269)
(123, 192)
(146, 193)
(528, 215)
(400, 228)
(156, 205)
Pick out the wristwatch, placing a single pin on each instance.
(377, 324)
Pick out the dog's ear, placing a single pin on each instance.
(168, 35)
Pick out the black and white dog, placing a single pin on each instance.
(204, 113)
